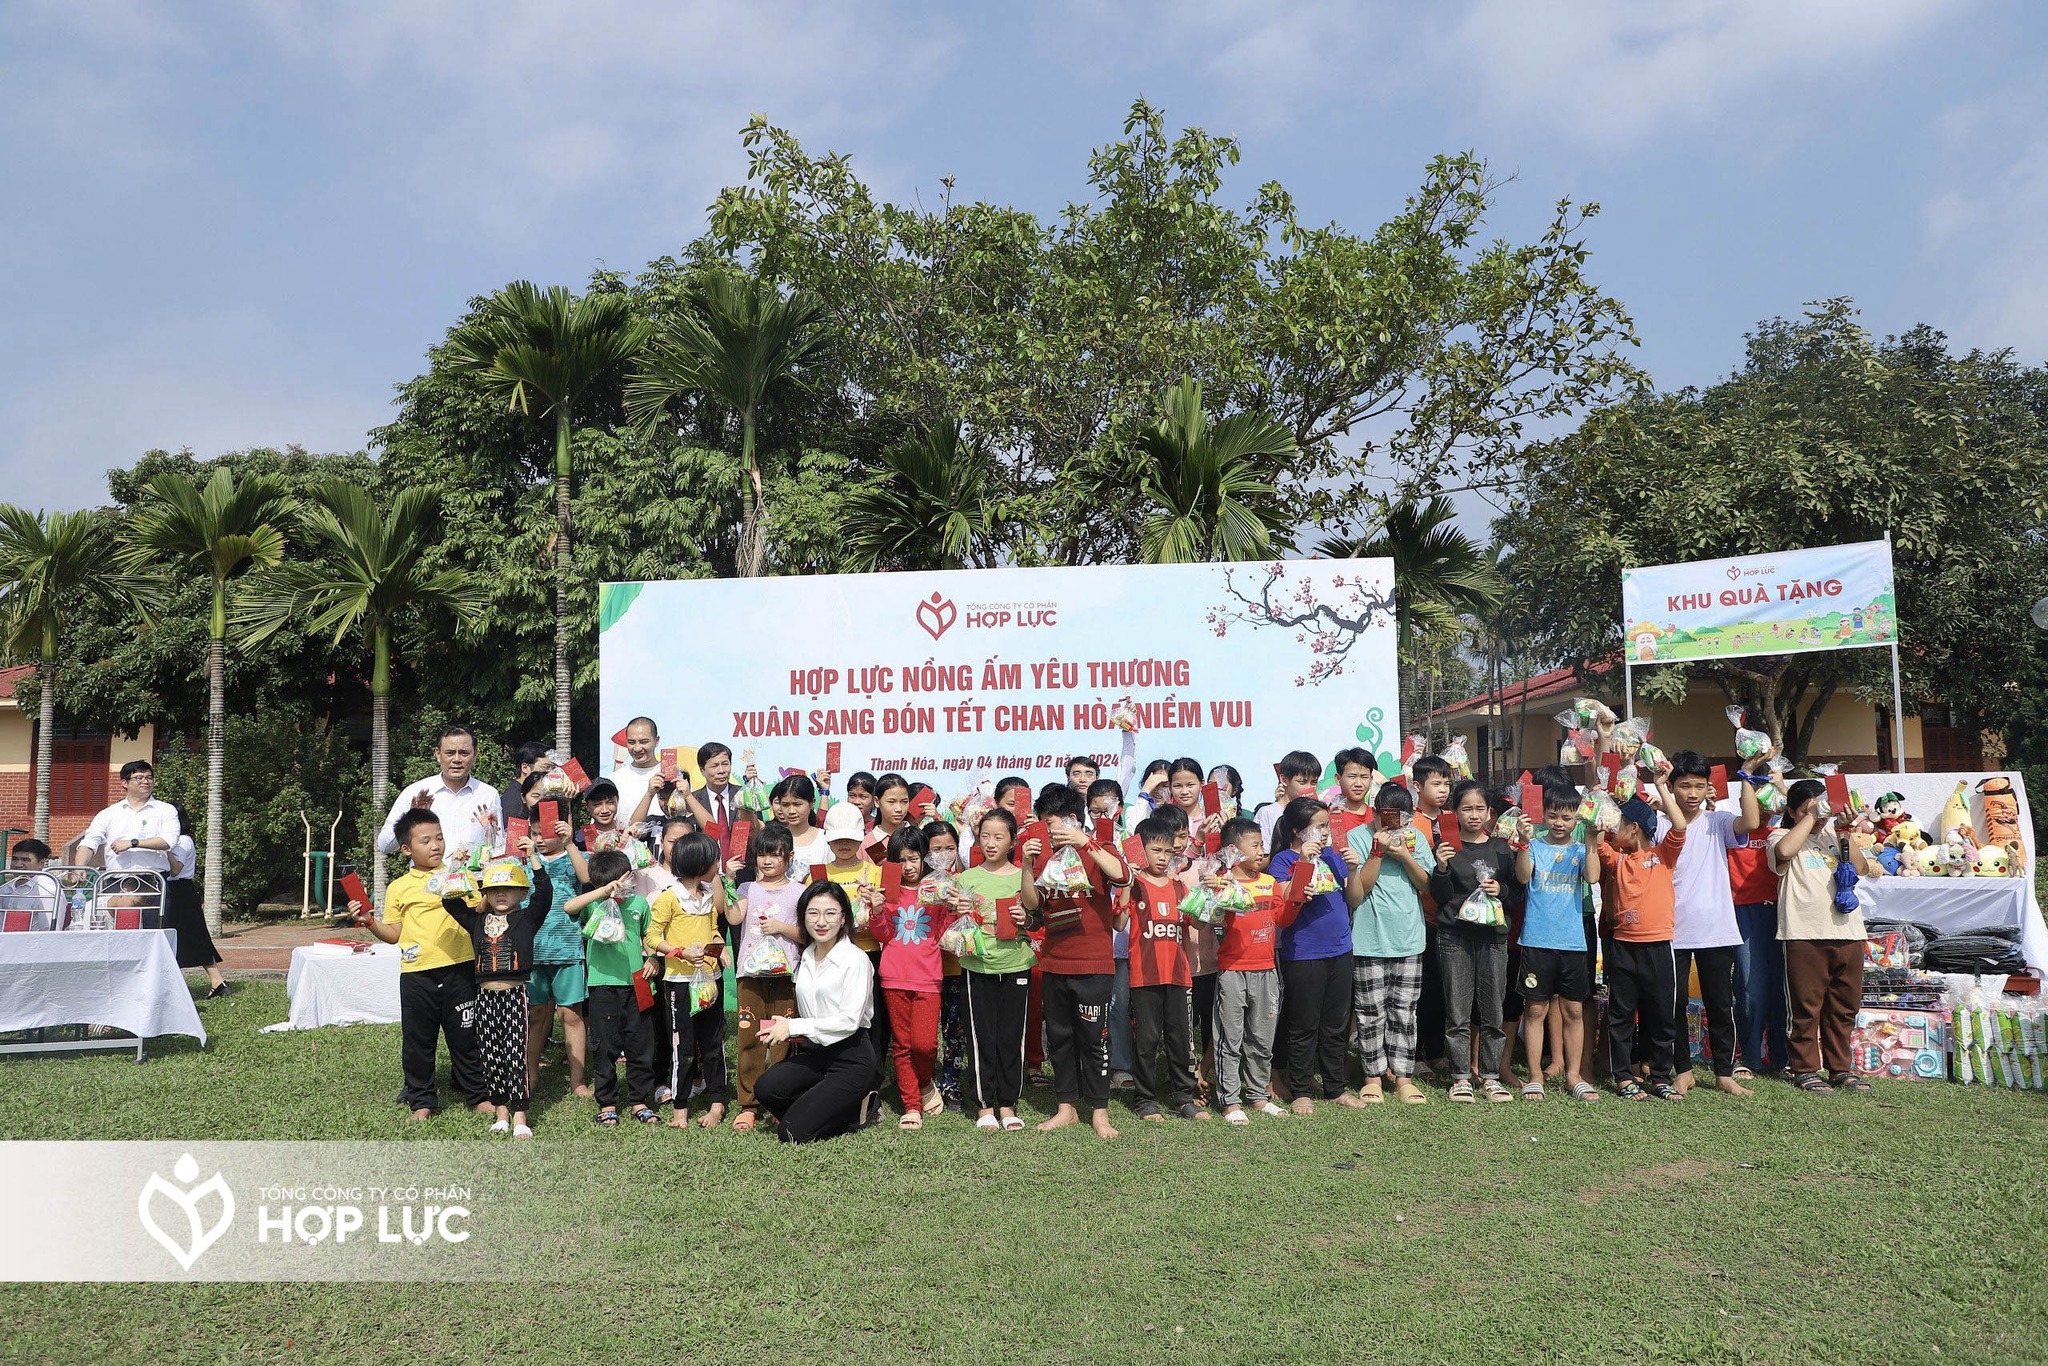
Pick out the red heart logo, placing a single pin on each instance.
(937, 615)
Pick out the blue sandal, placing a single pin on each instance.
(645, 1115)
(608, 1118)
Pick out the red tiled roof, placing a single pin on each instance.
(9, 677)
(1551, 683)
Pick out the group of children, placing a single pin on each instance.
(1165, 941)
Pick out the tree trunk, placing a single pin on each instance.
(563, 561)
(754, 538)
(380, 755)
(47, 675)
(216, 762)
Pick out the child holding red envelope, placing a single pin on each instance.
(770, 939)
(910, 974)
(1078, 961)
(684, 929)
(1470, 885)
(1315, 955)
(1390, 866)
(998, 977)
(614, 931)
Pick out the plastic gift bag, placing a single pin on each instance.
(1479, 908)
(1454, 755)
(765, 957)
(1234, 896)
(1631, 736)
(1748, 743)
(608, 926)
(1063, 873)
(449, 882)
(1201, 904)
(1322, 879)
(937, 890)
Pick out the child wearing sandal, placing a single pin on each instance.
(911, 976)
(998, 978)
(1472, 952)
(1636, 900)
(615, 920)
(1390, 867)
(501, 916)
(1556, 970)
(1248, 979)
(683, 928)
(1824, 939)
(770, 939)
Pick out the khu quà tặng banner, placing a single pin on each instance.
(1829, 598)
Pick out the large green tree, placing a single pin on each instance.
(372, 572)
(1210, 484)
(52, 565)
(741, 344)
(1825, 436)
(543, 349)
(934, 505)
(217, 532)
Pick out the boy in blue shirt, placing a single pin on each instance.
(1555, 966)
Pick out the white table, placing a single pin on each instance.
(330, 984)
(125, 978)
(1955, 904)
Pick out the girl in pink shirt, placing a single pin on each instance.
(911, 976)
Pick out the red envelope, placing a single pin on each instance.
(875, 851)
(1342, 823)
(892, 881)
(1006, 924)
(574, 768)
(974, 858)
(1280, 773)
(1718, 776)
(589, 838)
(1525, 780)
(1019, 802)
(1134, 852)
(352, 890)
(1298, 880)
(515, 831)
(716, 831)
(1838, 791)
(550, 816)
(671, 765)
(1447, 831)
(1610, 770)
(1399, 780)
(1532, 799)
(921, 802)
(1105, 830)
(643, 990)
(1036, 830)
(833, 753)
(736, 839)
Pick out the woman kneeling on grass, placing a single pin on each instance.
(825, 1087)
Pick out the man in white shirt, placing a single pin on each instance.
(468, 808)
(643, 743)
(135, 834)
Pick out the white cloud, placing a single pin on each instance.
(1616, 73)
(1981, 227)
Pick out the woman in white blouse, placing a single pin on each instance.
(826, 1086)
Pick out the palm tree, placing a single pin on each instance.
(1210, 482)
(931, 509)
(547, 344)
(740, 343)
(51, 564)
(1440, 574)
(226, 530)
(371, 571)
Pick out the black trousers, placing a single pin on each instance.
(1163, 1015)
(818, 1090)
(1429, 1011)
(880, 1036)
(1315, 1015)
(696, 1043)
(618, 1025)
(1717, 995)
(1639, 984)
(1203, 998)
(660, 1037)
(434, 1003)
(992, 1065)
(1077, 1036)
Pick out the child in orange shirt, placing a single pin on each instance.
(1636, 925)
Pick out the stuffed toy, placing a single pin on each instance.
(1906, 835)
(1994, 861)
(1955, 811)
(1927, 859)
(2002, 818)
(1891, 812)
(1957, 858)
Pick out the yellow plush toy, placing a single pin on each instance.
(1928, 860)
(1955, 811)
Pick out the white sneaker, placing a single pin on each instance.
(501, 1126)
(1269, 1108)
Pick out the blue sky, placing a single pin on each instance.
(242, 223)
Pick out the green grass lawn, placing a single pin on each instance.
(1911, 1225)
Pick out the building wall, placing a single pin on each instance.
(17, 781)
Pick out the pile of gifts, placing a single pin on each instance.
(2000, 1040)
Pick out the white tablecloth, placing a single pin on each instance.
(125, 978)
(1952, 904)
(332, 985)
